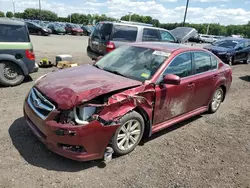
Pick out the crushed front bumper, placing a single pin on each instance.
(92, 139)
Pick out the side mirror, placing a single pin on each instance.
(171, 79)
(239, 48)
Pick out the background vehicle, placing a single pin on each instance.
(56, 29)
(87, 29)
(35, 28)
(73, 29)
(231, 50)
(16, 52)
(206, 38)
(107, 36)
(180, 82)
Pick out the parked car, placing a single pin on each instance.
(134, 91)
(107, 36)
(73, 29)
(17, 58)
(231, 50)
(86, 30)
(206, 38)
(56, 29)
(35, 28)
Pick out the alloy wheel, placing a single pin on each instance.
(128, 135)
(217, 98)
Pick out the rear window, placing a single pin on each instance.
(14, 33)
(124, 33)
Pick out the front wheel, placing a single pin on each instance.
(129, 134)
(216, 100)
(10, 74)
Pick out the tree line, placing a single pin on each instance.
(214, 29)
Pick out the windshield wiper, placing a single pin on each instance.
(115, 72)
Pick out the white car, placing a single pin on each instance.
(207, 38)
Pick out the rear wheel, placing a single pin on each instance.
(10, 74)
(129, 134)
(216, 101)
(247, 61)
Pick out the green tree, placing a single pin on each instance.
(19, 15)
(1, 14)
(9, 14)
(31, 13)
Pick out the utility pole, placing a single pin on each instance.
(208, 28)
(40, 11)
(185, 13)
(130, 13)
(70, 18)
(14, 8)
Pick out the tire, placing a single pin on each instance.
(10, 74)
(39, 33)
(247, 61)
(119, 144)
(231, 61)
(216, 100)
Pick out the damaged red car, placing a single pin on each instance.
(130, 93)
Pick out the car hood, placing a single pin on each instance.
(182, 34)
(218, 49)
(74, 86)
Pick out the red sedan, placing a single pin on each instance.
(134, 91)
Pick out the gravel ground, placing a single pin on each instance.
(206, 151)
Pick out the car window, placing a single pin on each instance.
(214, 63)
(180, 66)
(124, 33)
(202, 62)
(151, 35)
(13, 33)
(105, 31)
(240, 45)
(95, 34)
(166, 36)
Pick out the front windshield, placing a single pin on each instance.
(133, 62)
(76, 26)
(225, 43)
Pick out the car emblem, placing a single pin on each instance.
(37, 103)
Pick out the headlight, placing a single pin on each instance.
(82, 114)
(45, 30)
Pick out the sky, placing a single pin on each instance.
(224, 12)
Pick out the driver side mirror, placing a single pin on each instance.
(239, 48)
(171, 79)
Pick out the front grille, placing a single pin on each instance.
(40, 104)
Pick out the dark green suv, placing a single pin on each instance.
(17, 59)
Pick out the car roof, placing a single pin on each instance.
(235, 39)
(164, 46)
(10, 22)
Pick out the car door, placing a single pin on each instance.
(174, 100)
(240, 52)
(206, 75)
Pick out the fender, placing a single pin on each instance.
(220, 82)
(19, 62)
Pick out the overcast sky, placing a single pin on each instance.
(200, 11)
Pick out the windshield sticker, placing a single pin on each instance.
(145, 75)
(161, 53)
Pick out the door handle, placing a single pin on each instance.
(190, 85)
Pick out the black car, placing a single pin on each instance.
(35, 28)
(231, 50)
(56, 29)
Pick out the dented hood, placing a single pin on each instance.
(182, 34)
(73, 86)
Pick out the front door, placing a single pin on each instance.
(240, 52)
(175, 100)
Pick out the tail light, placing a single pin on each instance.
(29, 54)
(110, 46)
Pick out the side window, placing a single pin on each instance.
(125, 33)
(214, 63)
(96, 31)
(151, 35)
(105, 31)
(202, 62)
(240, 46)
(180, 66)
(166, 36)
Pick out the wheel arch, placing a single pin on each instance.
(19, 63)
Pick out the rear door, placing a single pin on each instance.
(206, 75)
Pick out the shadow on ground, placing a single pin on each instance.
(35, 153)
(245, 78)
